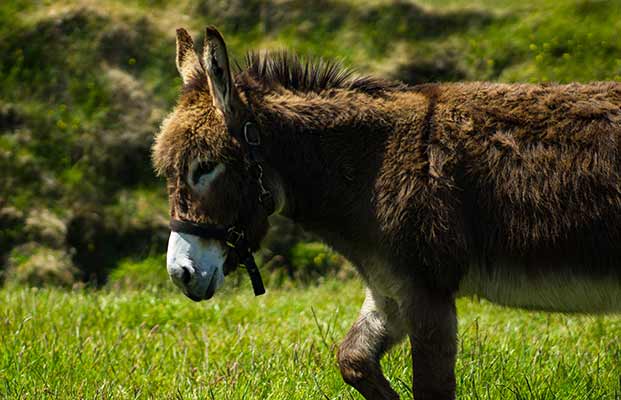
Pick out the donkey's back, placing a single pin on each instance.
(537, 173)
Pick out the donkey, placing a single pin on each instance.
(508, 192)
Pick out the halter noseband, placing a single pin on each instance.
(234, 236)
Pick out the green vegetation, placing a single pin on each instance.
(154, 343)
(83, 87)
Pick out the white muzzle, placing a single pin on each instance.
(195, 265)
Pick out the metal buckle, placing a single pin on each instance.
(265, 197)
(252, 141)
(233, 237)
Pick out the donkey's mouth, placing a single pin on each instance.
(211, 289)
(192, 297)
(209, 292)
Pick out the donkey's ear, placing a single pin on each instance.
(216, 62)
(187, 60)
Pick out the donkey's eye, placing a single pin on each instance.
(203, 168)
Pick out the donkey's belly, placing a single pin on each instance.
(553, 291)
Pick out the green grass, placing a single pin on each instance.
(155, 343)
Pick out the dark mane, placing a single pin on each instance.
(293, 72)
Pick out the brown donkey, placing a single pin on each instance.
(508, 192)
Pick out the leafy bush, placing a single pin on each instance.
(304, 262)
(140, 274)
(38, 266)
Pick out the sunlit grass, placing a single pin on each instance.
(155, 343)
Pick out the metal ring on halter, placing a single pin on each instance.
(252, 141)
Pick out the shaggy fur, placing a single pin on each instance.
(287, 70)
(414, 185)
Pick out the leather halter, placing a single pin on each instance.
(234, 236)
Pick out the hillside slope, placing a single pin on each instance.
(84, 85)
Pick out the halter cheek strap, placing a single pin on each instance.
(233, 238)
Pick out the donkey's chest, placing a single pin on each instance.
(550, 291)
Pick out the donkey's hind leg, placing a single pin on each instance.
(375, 332)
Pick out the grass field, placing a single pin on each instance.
(156, 343)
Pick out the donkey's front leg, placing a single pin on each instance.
(377, 329)
(433, 336)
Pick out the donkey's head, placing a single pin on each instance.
(213, 181)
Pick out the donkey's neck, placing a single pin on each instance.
(324, 152)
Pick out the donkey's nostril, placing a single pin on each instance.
(185, 278)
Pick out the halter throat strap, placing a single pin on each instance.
(251, 143)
